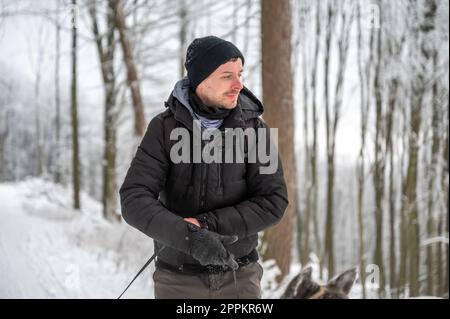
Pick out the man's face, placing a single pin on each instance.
(221, 88)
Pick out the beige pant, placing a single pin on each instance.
(171, 285)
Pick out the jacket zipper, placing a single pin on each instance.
(203, 175)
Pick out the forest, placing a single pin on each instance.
(358, 89)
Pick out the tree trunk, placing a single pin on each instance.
(183, 35)
(110, 125)
(332, 121)
(106, 58)
(132, 77)
(74, 115)
(411, 195)
(361, 169)
(37, 107)
(5, 122)
(419, 88)
(390, 151)
(278, 99)
(310, 206)
(57, 173)
(444, 183)
(328, 257)
(247, 27)
(444, 215)
(378, 176)
(432, 170)
(303, 225)
(313, 150)
(394, 47)
(404, 247)
(235, 26)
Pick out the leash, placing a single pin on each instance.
(236, 288)
(140, 271)
(154, 256)
(235, 284)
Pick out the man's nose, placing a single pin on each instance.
(237, 84)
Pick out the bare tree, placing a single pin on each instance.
(392, 191)
(132, 76)
(332, 116)
(432, 176)
(303, 234)
(361, 158)
(394, 50)
(441, 100)
(379, 162)
(444, 218)
(41, 169)
(421, 30)
(57, 173)
(247, 26)
(328, 252)
(5, 123)
(234, 30)
(183, 34)
(74, 114)
(314, 152)
(278, 100)
(105, 49)
(309, 20)
(404, 248)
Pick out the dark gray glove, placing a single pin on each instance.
(209, 247)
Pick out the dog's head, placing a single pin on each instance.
(303, 287)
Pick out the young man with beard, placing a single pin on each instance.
(204, 217)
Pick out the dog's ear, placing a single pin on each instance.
(343, 282)
(306, 286)
(291, 288)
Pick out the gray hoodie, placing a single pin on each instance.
(181, 92)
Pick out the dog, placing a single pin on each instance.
(303, 287)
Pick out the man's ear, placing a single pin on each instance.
(344, 281)
(306, 286)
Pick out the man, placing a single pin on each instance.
(204, 216)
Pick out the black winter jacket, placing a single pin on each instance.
(232, 198)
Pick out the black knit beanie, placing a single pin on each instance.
(205, 55)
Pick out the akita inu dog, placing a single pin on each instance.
(303, 287)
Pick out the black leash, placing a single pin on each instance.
(154, 256)
(140, 271)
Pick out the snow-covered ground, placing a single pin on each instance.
(49, 250)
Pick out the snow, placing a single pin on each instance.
(437, 239)
(48, 250)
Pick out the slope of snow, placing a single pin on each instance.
(48, 250)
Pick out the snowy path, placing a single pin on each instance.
(48, 250)
(17, 279)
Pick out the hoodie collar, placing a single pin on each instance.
(248, 106)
